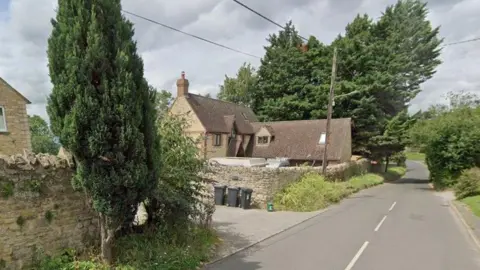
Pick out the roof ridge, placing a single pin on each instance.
(219, 100)
(303, 120)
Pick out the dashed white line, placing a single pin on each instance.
(391, 207)
(357, 256)
(380, 224)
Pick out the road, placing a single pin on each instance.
(396, 226)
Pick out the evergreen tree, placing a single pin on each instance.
(102, 110)
(281, 93)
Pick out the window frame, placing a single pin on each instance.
(217, 140)
(262, 140)
(4, 118)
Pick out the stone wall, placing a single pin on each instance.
(265, 182)
(39, 210)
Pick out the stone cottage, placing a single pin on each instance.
(14, 127)
(225, 129)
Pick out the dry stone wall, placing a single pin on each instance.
(265, 182)
(39, 210)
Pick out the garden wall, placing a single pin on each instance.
(265, 182)
(39, 210)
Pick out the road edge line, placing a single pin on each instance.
(459, 215)
(266, 238)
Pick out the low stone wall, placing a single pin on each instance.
(39, 210)
(265, 182)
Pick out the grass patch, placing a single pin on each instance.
(147, 251)
(415, 156)
(474, 204)
(394, 173)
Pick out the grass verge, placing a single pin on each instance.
(474, 204)
(415, 156)
(313, 192)
(146, 251)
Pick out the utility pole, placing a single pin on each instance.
(329, 113)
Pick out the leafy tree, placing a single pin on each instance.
(239, 90)
(450, 138)
(208, 95)
(43, 140)
(176, 198)
(394, 138)
(163, 100)
(102, 110)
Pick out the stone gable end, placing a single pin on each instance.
(17, 137)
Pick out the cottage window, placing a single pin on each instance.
(217, 139)
(262, 140)
(323, 138)
(3, 120)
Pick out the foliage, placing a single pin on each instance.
(474, 203)
(43, 140)
(176, 198)
(415, 156)
(49, 215)
(468, 183)
(394, 138)
(153, 250)
(312, 192)
(450, 140)
(20, 221)
(394, 173)
(400, 158)
(163, 100)
(381, 65)
(239, 90)
(101, 108)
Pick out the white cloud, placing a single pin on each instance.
(25, 27)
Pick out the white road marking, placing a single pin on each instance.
(380, 224)
(391, 207)
(357, 256)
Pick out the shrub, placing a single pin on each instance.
(313, 192)
(400, 158)
(468, 184)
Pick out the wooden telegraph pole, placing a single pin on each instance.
(329, 113)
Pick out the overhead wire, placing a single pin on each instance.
(188, 34)
(264, 17)
(461, 42)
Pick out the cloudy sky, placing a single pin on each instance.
(25, 27)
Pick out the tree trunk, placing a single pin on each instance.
(387, 160)
(107, 236)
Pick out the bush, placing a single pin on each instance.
(149, 251)
(400, 158)
(313, 192)
(468, 184)
(451, 143)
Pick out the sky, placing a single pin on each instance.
(25, 27)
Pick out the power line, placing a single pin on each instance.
(190, 35)
(461, 42)
(264, 17)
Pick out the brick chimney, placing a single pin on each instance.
(182, 86)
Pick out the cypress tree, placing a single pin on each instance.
(102, 110)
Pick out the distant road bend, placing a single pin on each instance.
(396, 226)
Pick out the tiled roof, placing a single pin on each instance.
(219, 116)
(300, 139)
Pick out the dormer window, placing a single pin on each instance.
(262, 140)
(323, 138)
